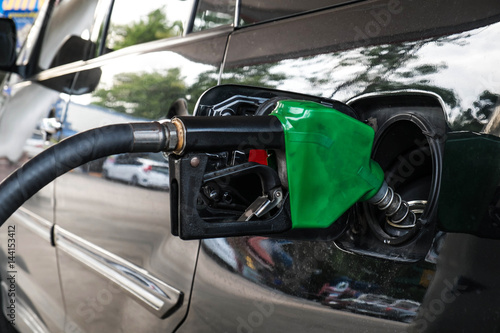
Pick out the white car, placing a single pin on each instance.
(137, 169)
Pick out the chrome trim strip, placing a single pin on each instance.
(147, 290)
(35, 223)
(237, 9)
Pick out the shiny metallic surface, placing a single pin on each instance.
(150, 136)
(155, 136)
(173, 135)
(417, 206)
(181, 132)
(35, 223)
(397, 211)
(149, 247)
(195, 162)
(155, 295)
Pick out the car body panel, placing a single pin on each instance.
(38, 289)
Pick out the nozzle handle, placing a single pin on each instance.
(215, 134)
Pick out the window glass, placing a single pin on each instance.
(214, 13)
(253, 11)
(135, 22)
(67, 34)
(29, 43)
(23, 13)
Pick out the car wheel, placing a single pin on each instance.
(134, 181)
(105, 174)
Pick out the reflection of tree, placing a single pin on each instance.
(155, 26)
(392, 67)
(145, 95)
(258, 75)
(474, 119)
(149, 95)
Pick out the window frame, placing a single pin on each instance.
(106, 23)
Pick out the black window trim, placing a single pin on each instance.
(107, 22)
(31, 68)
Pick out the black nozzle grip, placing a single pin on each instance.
(215, 134)
(186, 222)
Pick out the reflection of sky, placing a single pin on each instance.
(470, 65)
(132, 10)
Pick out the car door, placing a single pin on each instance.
(121, 269)
(396, 63)
(33, 99)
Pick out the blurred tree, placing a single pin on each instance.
(149, 95)
(144, 95)
(155, 26)
(258, 75)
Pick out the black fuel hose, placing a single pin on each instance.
(213, 134)
(75, 151)
(183, 134)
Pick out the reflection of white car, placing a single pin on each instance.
(137, 169)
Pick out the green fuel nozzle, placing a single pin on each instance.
(329, 167)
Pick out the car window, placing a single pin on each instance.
(131, 23)
(23, 13)
(214, 13)
(254, 11)
(29, 44)
(67, 35)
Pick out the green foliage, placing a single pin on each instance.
(155, 26)
(143, 95)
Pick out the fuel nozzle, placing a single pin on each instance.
(326, 157)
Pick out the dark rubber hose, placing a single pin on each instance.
(213, 134)
(69, 154)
